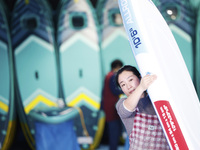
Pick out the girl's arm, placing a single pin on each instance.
(131, 102)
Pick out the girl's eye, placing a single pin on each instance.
(131, 79)
(122, 85)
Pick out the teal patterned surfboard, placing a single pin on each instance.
(80, 67)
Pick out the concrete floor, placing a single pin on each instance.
(105, 147)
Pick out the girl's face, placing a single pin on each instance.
(128, 82)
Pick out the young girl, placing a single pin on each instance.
(137, 112)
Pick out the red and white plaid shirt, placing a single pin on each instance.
(147, 133)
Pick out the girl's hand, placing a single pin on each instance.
(146, 81)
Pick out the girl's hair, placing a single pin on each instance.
(126, 68)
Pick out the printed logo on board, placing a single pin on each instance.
(134, 38)
(171, 126)
(126, 12)
(131, 27)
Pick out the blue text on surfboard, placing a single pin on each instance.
(135, 39)
(126, 12)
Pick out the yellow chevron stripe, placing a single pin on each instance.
(9, 134)
(26, 2)
(86, 98)
(37, 100)
(3, 106)
(76, 1)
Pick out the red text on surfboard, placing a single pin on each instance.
(171, 126)
(135, 39)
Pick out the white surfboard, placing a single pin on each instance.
(173, 94)
(174, 12)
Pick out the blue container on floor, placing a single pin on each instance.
(47, 137)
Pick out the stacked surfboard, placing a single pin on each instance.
(197, 57)
(7, 109)
(36, 72)
(80, 67)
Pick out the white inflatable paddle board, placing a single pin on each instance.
(172, 94)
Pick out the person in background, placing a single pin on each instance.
(110, 96)
(137, 112)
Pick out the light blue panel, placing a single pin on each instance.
(117, 48)
(80, 65)
(184, 42)
(4, 73)
(36, 67)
